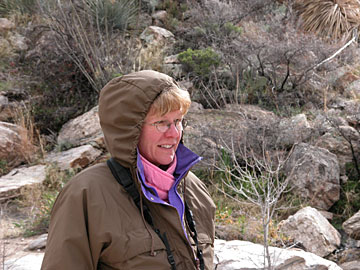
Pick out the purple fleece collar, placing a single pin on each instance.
(185, 160)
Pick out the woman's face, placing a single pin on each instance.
(159, 147)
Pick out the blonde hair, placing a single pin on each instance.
(171, 99)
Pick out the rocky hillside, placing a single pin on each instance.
(272, 104)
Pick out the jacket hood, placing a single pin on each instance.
(123, 105)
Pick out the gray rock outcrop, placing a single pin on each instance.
(83, 129)
(310, 228)
(11, 183)
(11, 143)
(315, 174)
(352, 226)
(80, 156)
(242, 255)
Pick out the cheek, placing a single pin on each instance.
(147, 140)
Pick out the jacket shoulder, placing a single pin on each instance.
(94, 177)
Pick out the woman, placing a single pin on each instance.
(98, 223)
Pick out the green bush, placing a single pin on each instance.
(232, 29)
(199, 62)
(118, 14)
(349, 202)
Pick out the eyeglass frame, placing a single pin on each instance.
(183, 123)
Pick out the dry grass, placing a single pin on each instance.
(99, 53)
(334, 19)
(31, 145)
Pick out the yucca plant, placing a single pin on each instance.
(334, 19)
(113, 14)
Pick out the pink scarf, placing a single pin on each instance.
(161, 180)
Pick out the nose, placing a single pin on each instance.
(173, 131)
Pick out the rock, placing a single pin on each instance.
(154, 35)
(18, 42)
(5, 110)
(160, 15)
(39, 243)
(294, 130)
(315, 174)
(6, 25)
(205, 133)
(11, 143)
(334, 77)
(195, 107)
(354, 265)
(352, 226)
(242, 255)
(44, 44)
(353, 89)
(82, 130)
(328, 215)
(156, 42)
(29, 262)
(252, 112)
(80, 156)
(11, 183)
(345, 80)
(347, 105)
(312, 230)
(337, 145)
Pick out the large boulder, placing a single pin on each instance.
(315, 174)
(208, 129)
(31, 261)
(293, 130)
(352, 226)
(80, 157)
(12, 143)
(354, 265)
(231, 129)
(243, 255)
(156, 43)
(312, 230)
(11, 184)
(82, 130)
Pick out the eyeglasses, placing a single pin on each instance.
(163, 126)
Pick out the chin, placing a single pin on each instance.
(166, 161)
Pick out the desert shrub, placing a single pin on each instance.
(330, 19)
(75, 55)
(111, 15)
(349, 202)
(21, 6)
(175, 9)
(199, 62)
(267, 61)
(62, 92)
(215, 22)
(98, 53)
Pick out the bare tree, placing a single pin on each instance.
(259, 180)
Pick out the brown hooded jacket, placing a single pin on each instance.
(96, 225)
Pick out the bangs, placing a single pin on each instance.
(170, 100)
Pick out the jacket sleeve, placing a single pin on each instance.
(68, 244)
